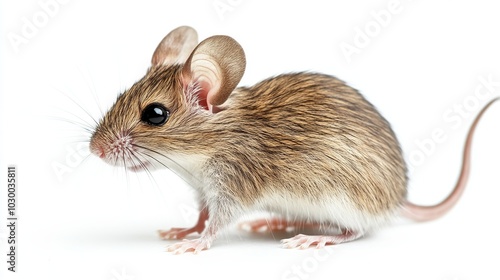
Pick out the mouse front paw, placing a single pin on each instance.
(195, 246)
(177, 233)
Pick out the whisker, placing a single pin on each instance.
(127, 177)
(145, 168)
(174, 171)
(79, 106)
(76, 139)
(132, 157)
(85, 149)
(86, 127)
(91, 85)
(85, 158)
(169, 159)
(165, 156)
(76, 115)
(128, 153)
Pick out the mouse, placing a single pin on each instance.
(304, 146)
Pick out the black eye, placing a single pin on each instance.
(155, 114)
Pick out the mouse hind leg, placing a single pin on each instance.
(276, 224)
(303, 241)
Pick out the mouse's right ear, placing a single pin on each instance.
(215, 68)
(176, 47)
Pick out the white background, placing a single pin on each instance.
(82, 219)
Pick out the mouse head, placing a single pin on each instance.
(160, 115)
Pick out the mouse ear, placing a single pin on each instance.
(215, 66)
(176, 47)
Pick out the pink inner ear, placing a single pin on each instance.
(201, 89)
(198, 88)
(206, 88)
(202, 96)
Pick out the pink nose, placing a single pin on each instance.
(101, 153)
(97, 150)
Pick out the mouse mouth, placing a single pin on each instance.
(139, 167)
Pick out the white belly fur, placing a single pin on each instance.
(339, 211)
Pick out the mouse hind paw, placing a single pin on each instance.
(303, 241)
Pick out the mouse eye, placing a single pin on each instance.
(155, 114)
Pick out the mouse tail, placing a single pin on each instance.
(426, 213)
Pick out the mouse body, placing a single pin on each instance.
(304, 146)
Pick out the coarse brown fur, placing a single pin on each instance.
(303, 145)
(304, 133)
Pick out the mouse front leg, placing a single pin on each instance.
(180, 233)
(222, 213)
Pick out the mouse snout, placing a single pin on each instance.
(117, 150)
(111, 148)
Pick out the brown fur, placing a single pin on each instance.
(310, 135)
(306, 134)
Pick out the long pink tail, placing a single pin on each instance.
(427, 213)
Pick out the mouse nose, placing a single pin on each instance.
(97, 149)
(101, 153)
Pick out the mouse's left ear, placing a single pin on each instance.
(213, 70)
(176, 47)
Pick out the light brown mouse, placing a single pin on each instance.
(305, 146)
